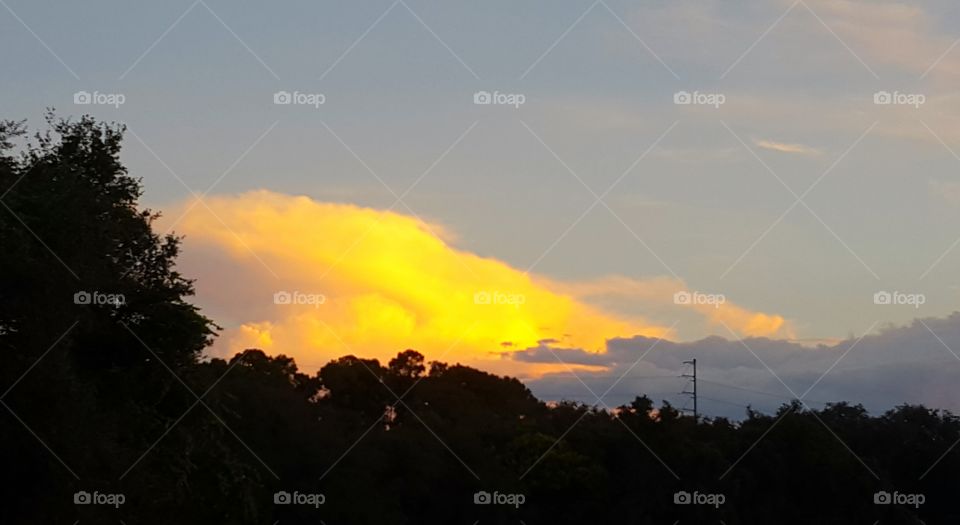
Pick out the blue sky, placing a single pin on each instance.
(705, 196)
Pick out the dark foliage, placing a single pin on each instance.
(117, 399)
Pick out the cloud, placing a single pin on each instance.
(888, 36)
(902, 35)
(906, 364)
(806, 75)
(782, 147)
(388, 282)
(657, 295)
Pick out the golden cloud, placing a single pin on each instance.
(368, 282)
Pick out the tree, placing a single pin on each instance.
(89, 287)
(115, 397)
(408, 363)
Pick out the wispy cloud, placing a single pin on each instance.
(784, 147)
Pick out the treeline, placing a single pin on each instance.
(110, 412)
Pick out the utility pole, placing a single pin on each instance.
(692, 393)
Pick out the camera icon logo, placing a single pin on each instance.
(82, 97)
(482, 498)
(882, 98)
(281, 498)
(881, 498)
(682, 297)
(282, 97)
(682, 98)
(882, 298)
(82, 298)
(482, 298)
(681, 498)
(282, 298)
(81, 498)
(482, 98)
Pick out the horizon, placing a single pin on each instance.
(586, 162)
(398, 261)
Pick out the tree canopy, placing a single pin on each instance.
(106, 389)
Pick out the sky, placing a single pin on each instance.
(777, 164)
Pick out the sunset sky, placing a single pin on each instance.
(550, 238)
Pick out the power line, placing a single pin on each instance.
(770, 394)
(724, 402)
(708, 381)
(610, 376)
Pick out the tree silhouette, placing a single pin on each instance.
(117, 397)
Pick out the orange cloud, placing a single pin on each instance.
(370, 282)
(658, 295)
